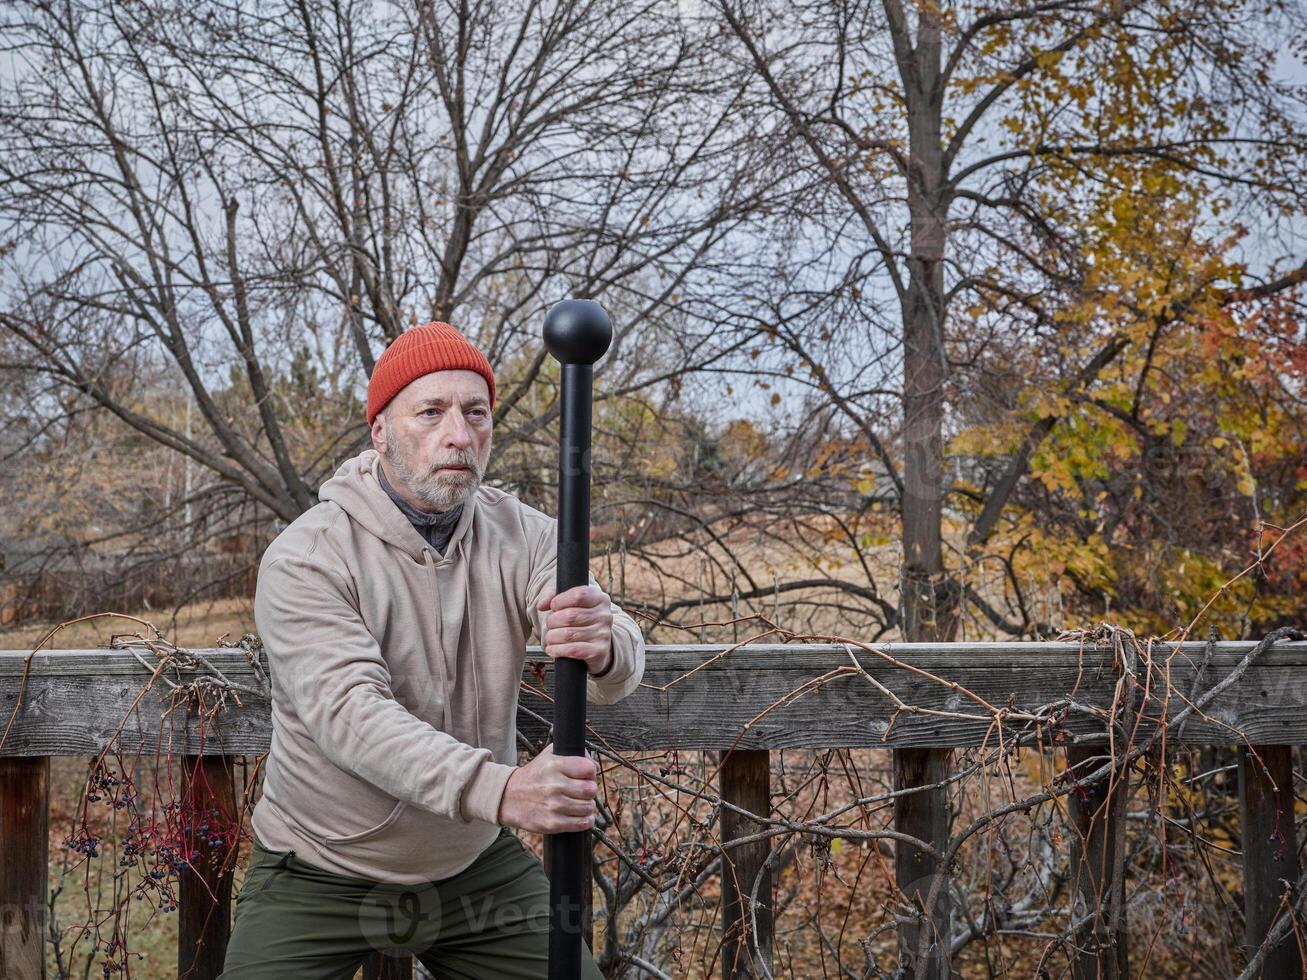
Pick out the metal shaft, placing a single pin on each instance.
(577, 333)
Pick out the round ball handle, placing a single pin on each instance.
(577, 331)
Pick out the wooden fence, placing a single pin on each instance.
(743, 702)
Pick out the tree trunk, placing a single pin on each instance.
(929, 596)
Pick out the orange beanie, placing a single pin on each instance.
(418, 351)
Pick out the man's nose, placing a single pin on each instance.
(456, 432)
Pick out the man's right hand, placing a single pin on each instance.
(551, 794)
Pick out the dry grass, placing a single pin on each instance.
(196, 625)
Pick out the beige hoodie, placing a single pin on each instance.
(395, 676)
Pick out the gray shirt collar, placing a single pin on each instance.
(436, 528)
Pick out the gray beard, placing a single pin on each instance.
(434, 491)
(440, 493)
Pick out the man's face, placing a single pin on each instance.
(434, 437)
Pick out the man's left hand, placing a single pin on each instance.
(580, 625)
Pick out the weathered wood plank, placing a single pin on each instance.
(77, 699)
(24, 888)
(746, 782)
(1270, 854)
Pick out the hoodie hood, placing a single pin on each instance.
(357, 490)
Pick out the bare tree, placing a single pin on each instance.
(231, 186)
(965, 148)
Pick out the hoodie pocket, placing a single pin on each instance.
(371, 831)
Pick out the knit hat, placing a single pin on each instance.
(418, 351)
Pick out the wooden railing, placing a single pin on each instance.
(743, 702)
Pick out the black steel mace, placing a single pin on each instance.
(577, 333)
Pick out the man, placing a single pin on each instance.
(395, 616)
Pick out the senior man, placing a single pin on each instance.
(395, 615)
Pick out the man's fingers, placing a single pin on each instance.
(546, 598)
(562, 825)
(587, 624)
(578, 766)
(572, 766)
(583, 633)
(571, 807)
(579, 789)
(579, 616)
(580, 595)
(577, 651)
(581, 808)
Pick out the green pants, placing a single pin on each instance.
(489, 921)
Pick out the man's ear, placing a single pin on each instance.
(379, 432)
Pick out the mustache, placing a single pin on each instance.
(467, 459)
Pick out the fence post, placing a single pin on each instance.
(1097, 822)
(925, 816)
(24, 867)
(1270, 853)
(746, 783)
(204, 902)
